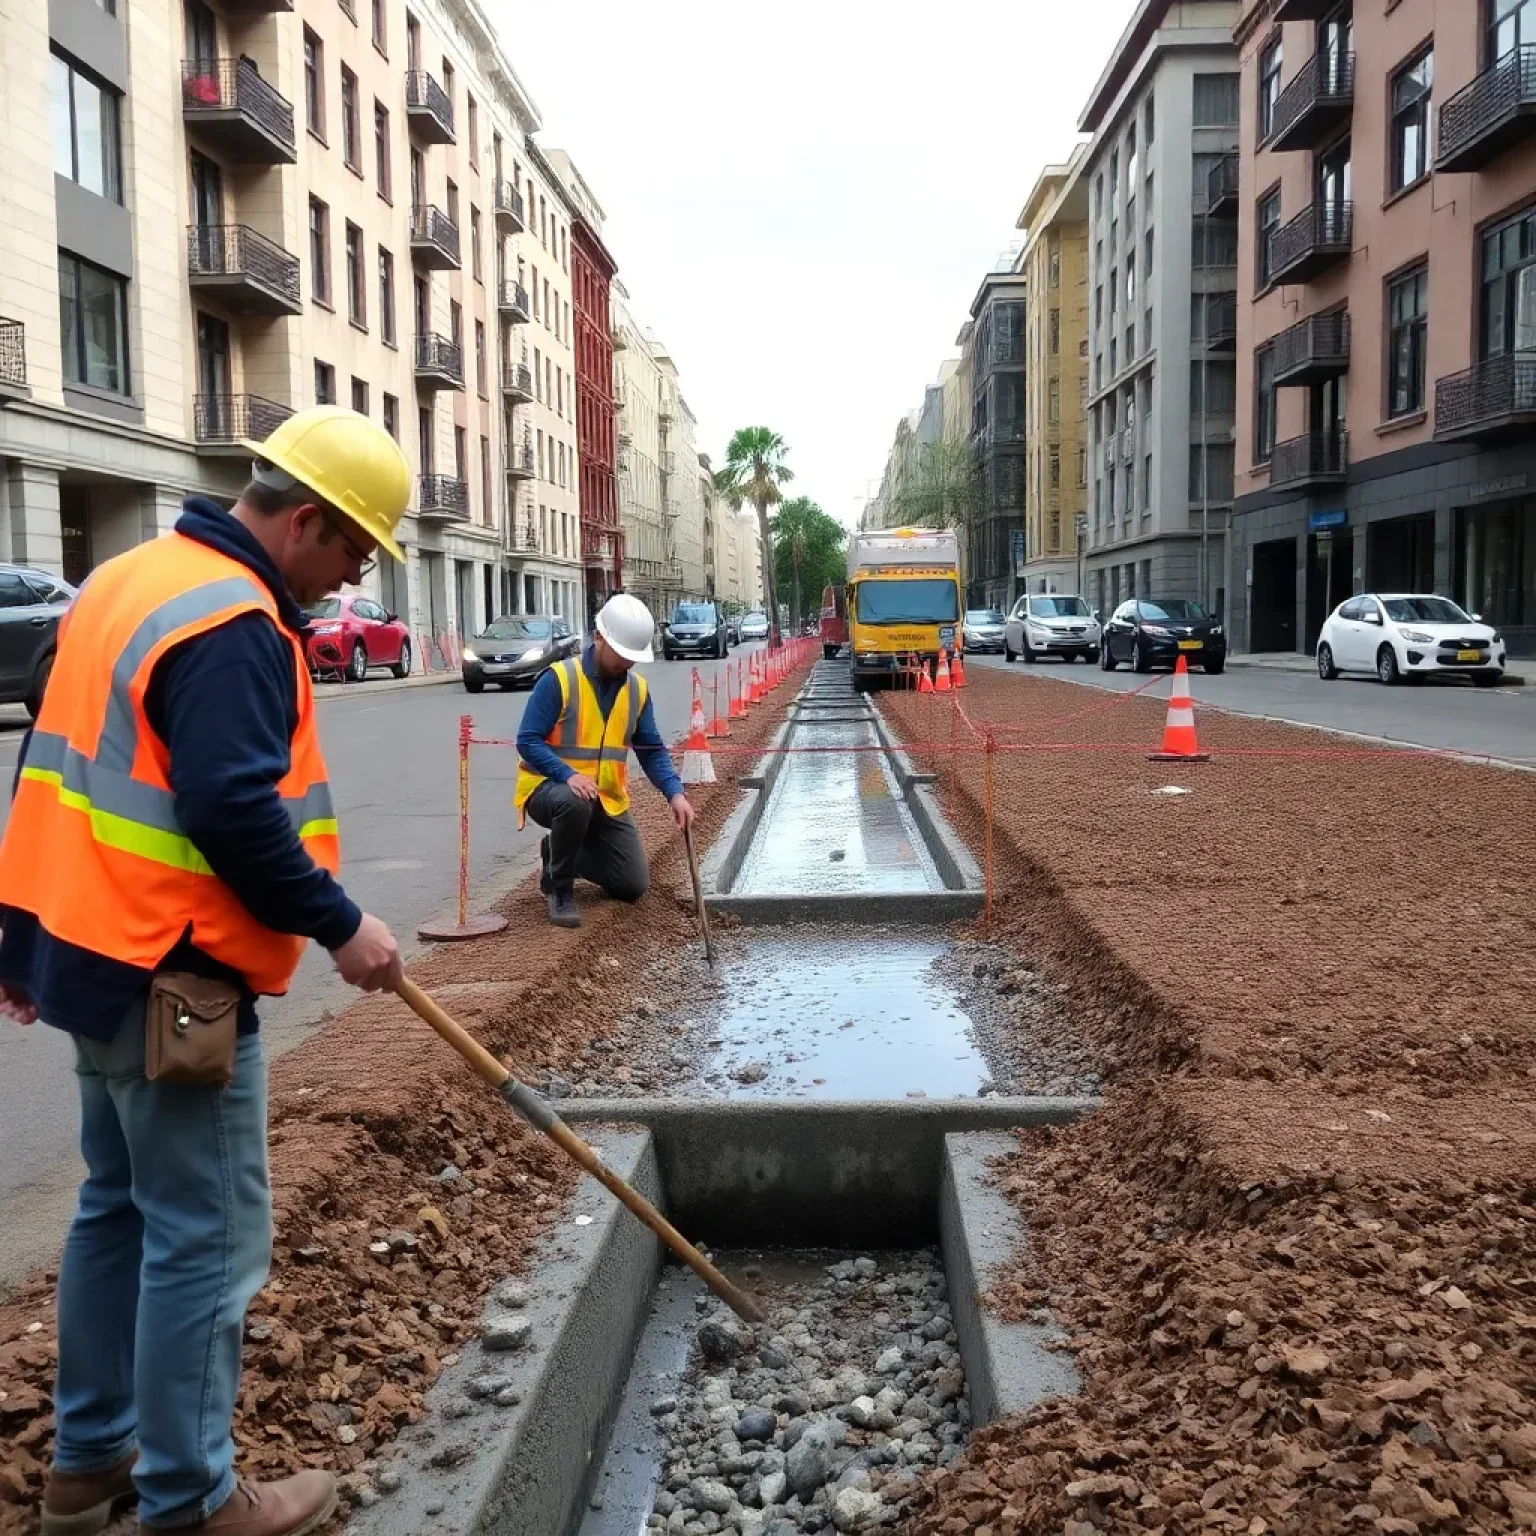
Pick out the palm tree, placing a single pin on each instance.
(753, 472)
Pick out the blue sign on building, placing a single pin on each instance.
(1325, 522)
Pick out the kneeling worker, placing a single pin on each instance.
(582, 718)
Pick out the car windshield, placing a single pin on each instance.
(693, 613)
(919, 600)
(1058, 607)
(1424, 610)
(755, 618)
(1180, 610)
(983, 616)
(510, 628)
(326, 608)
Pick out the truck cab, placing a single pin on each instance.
(904, 600)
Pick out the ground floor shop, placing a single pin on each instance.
(1462, 525)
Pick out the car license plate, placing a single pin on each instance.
(1189, 645)
(1469, 655)
(491, 668)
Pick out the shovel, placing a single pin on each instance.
(537, 1112)
(698, 897)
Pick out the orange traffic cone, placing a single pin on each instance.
(698, 765)
(941, 683)
(924, 681)
(957, 671)
(738, 700)
(1180, 744)
(718, 726)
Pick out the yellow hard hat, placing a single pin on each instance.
(349, 462)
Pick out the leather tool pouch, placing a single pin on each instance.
(190, 1027)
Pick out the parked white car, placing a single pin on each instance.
(1413, 635)
(1053, 624)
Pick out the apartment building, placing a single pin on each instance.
(1387, 313)
(652, 571)
(1055, 223)
(1163, 118)
(993, 349)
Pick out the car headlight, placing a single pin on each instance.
(1153, 629)
(532, 653)
(1416, 637)
(468, 654)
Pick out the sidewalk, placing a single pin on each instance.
(1293, 661)
(327, 690)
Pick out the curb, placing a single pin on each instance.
(373, 687)
(1305, 669)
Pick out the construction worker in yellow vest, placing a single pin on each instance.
(574, 740)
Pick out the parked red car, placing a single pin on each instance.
(348, 634)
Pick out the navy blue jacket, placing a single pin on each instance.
(544, 710)
(225, 704)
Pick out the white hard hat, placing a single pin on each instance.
(626, 624)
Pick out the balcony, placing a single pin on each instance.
(219, 422)
(1221, 187)
(1128, 445)
(442, 499)
(521, 538)
(1221, 323)
(616, 335)
(1315, 349)
(1319, 100)
(510, 213)
(666, 411)
(1317, 238)
(248, 272)
(520, 462)
(1495, 398)
(1314, 458)
(517, 383)
(439, 362)
(1497, 110)
(623, 434)
(668, 462)
(236, 112)
(428, 109)
(13, 359)
(1303, 10)
(512, 301)
(434, 239)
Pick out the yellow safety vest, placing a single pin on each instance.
(587, 743)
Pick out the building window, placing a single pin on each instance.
(1098, 195)
(1264, 405)
(460, 454)
(86, 139)
(1055, 266)
(381, 27)
(1219, 395)
(319, 250)
(392, 416)
(1214, 244)
(1147, 264)
(475, 267)
(481, 377)
(485, 479)
(451, 199)
(456, 322)
(1267, 221)
(357, 282)
(381, 148)
(1511, 25)
(93, 326)
(360, 396)
(1215, 459)
(473, 111)
(386, 296)
(325, 383)
(1270, 61)
(1151, 123)
(1410, 121)
(1509, 288)
(1053, 403)
(314, 84)
(1055, 332)
(351, 127)
(1408, 319)
(1216, 101)
(1055, 470)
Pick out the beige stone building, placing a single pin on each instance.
(651, 570)
(681, 505)
(218, 211)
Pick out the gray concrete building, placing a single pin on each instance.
(994, 558)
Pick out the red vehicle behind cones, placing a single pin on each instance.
(349, 633)
(834, 620)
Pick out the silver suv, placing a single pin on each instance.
(31, 605)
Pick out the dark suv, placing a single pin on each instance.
(695, 629)
(31, 605)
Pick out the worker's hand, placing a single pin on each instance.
(16, 1004)
(370, 959)
(581, 786)
(682, 811)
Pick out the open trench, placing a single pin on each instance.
(819, 1113)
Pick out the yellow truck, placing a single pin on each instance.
(903, 599)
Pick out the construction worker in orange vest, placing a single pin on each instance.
(171, 848)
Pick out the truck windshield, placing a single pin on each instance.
(922, 600)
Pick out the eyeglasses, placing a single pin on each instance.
(365, 562)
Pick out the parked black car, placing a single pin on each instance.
(31, 605)
(1151, 632)
(695, 629)
(515, 649)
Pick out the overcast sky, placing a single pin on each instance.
(803, 198)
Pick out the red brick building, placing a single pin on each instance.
(602, 537)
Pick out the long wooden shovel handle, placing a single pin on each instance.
(537, 1112)
(698, 897)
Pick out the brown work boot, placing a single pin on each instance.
(82, 1503)
(292, 1506)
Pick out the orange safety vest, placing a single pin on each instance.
(93, 847)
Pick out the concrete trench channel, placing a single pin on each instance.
(843, 1179)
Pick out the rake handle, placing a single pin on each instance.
(698, 897)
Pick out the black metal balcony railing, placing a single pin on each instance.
(233, 106)
(1315, 102)
(429, 107)
(517, 382)
(1313, 349)
(1495, 394)
(439, 361)
(1313, 241)
(512, 300)
(509, 207)
(1496, 110)
(1314, 458)
(1221, 322)
(226, 419)
(13, 354)
(442, 496)
(434, 237)
(1221, 186)
(257, 273)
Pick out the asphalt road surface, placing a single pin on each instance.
(1451, 715)
(393, 759)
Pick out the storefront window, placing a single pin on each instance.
(1496, 563)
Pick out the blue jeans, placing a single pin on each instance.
(171, 1240)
